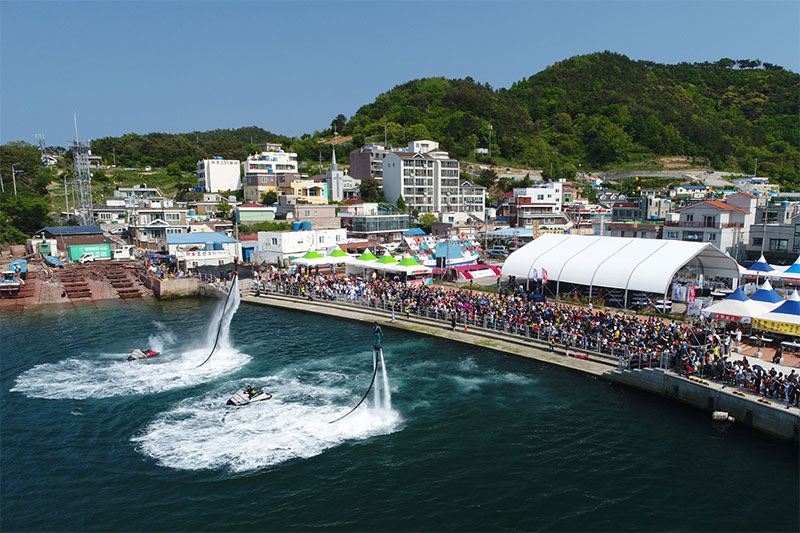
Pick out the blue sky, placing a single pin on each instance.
(291, 67)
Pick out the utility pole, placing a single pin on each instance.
(2, 186)
(764, 230)
(490, 140)
(66, 192)
(14, 177)
(114, 151)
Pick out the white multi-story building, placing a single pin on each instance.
(217, 174)
(278, 247)
(725, 224)
(428, 180)
(275, 162)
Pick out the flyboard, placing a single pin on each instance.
(377, 353)
(222, 318)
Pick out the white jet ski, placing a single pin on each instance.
(241, 397)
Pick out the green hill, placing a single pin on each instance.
(603, 109)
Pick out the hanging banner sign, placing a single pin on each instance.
(544, 276)
(691, 293)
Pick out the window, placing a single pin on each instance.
(308, 213)
(778, 245)
(689, 218)
(708, 221)
(757, 241)
(672, 235)
(712, 236)
(796, 237)
(321, 239)
(274, 241)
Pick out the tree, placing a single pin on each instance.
(27, 211)
(224, 209)
(338, 123)
(401, 203)
(370, 190)
(426, 220)
(174, 169)
(269, 198)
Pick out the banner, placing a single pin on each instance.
(691, 293)
(544, 276)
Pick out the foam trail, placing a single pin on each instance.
(202, 433)
(94, 377)
(387, 393)
(224, 312)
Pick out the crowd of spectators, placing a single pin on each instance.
(689, 348)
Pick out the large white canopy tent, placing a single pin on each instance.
(646, 265)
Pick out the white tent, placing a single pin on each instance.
(646, 265)
(785, 318)
(737, 307)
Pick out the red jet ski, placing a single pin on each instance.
(142, 354)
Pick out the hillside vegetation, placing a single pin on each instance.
(593, 112)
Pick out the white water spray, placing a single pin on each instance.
(387, 393)
(93, 376)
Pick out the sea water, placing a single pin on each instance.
(469, 439)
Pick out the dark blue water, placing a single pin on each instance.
(475, 440)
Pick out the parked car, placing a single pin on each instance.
(497, 251)
(86, 258)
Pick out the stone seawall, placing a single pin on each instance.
(748, 409)
(165, 289)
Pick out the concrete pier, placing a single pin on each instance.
(769, 417)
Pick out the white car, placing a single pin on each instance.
(88, 257)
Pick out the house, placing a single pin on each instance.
(688, 191)
(527, 204)
(202, 249)
(150, 225)
(374, 223)
(722, 224)
(139, 195)
(66, 236)
(278, 247)
(320, 216)
(779, 238)
(261, 171)
(251, 214)
(218, 174)
(637, 230)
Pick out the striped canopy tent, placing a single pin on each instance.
(338, 256)
(737, 308)
(311, 258)
(408, 266)
(356, 265)
(759, 269)
(766, 294)
(783, 319)
(793, 272)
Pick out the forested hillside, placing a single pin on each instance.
(603, 109)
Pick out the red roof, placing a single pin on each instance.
(505, 195)
(748, 194)
(718, 204)
(248, 237)
(251, 204)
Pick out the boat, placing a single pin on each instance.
(241, 397)
(10, 281)
(20, 266)
(142, 354)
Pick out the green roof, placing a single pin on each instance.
(409, 262)
(337, 253)
(386, 259)
(366, 256)
(312, 255)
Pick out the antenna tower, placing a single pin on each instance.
(42, 144)
(82, 181)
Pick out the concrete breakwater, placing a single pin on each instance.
(748, 409)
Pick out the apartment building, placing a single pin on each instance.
(218, 174)
(367, 162)
(149, 225)
(429, 181)
(779, 238)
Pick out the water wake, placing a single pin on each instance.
(202, 433)
(93, 376)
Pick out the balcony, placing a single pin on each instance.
(715, 225)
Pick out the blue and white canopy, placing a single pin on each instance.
(737, 307)
(766, 294)
(760, 267)
(793, 272)
(786, 313)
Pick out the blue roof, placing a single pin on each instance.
(414, 231)
(73, 230)
(694, 187)
(763, 295)
(198, 238)
(737, 295)
(761, 266)
(789, 307)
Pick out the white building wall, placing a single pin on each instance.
(392, 177)
(275, 247)
(215, 175)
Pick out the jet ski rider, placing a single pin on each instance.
(250, 391)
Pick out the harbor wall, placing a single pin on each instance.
(175, 288)
(763, 415)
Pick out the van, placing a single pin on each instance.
(88, 257)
